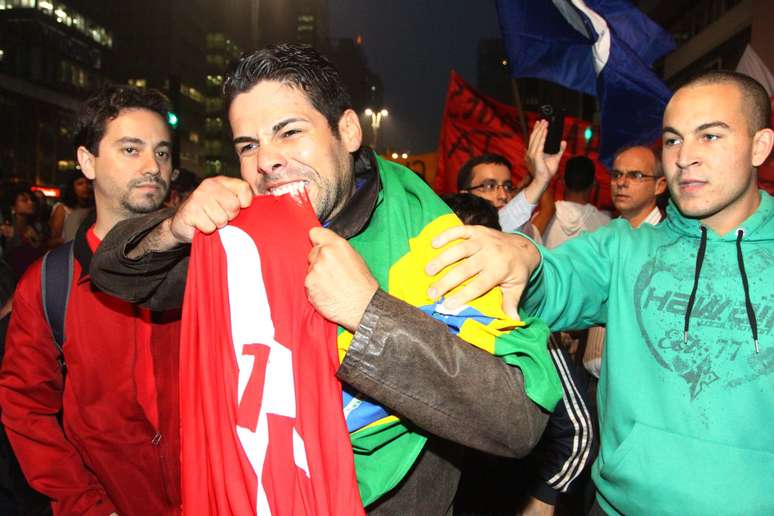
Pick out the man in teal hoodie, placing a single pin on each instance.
(686, 394)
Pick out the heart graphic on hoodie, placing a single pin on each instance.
(719, 348)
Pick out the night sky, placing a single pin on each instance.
(413, 44)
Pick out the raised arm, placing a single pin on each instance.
(567, 287)
(542, 167)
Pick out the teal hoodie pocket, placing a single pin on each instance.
(658, 472)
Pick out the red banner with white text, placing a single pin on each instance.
(474, 124)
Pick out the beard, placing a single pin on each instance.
(138, 203)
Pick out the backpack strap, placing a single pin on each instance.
(56, 277)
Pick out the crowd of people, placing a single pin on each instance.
(483, 366)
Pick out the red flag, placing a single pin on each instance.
(474, 124)
(263, 430)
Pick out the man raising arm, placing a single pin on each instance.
(686, 376)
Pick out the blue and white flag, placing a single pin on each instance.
(599, 47)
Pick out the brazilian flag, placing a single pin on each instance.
(396, 245)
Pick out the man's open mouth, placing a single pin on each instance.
(292, 187)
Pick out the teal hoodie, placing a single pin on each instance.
(687, 425)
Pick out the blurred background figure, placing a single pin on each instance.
(25, 239)
(183, 183)
(575, 214)
(43, 208)
(67, 215)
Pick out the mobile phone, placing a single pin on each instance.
(555, 118)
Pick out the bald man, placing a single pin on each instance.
(636, 182)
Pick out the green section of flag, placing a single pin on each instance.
(386, 451)
(517, 348)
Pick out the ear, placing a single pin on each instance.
(350, 132)
(762, 143)
(86, 161)
(661, 185)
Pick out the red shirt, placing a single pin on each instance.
(117, 448)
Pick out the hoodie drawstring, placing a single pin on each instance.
(747, 303)
(696, 274)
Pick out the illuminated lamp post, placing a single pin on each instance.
(376, 121)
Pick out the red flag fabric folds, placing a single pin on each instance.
(474, 124)
(261, 409)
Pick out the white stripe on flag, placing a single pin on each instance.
(601, 47)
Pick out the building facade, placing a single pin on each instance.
(51, 58)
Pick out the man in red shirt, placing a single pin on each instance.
(116, 449)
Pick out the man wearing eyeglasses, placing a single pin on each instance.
(489, 176)
(636, 182)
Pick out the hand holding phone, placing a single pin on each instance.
(542, 166)
(555, 118)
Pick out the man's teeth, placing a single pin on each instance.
(296, 187)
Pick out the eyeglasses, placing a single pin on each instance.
(491, 185)
(632, 175)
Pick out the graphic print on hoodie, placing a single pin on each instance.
(683, 421)
(709, 354)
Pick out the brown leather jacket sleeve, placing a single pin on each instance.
(399, 356)
(155, 280)
(411, 364)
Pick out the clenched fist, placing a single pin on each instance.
(211, 206)
(338, 283)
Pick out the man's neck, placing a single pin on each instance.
(636, 219)
(105, 222)
(730, 217)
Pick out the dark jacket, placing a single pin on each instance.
(112, 451)
(408, 362)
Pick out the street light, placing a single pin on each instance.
(376, 121)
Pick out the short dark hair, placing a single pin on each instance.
(579, 174)
(106, 104)
(472, 209)
(465, 175)
(755, 100)
(68, 188)
(299, 66)
(16, 190)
